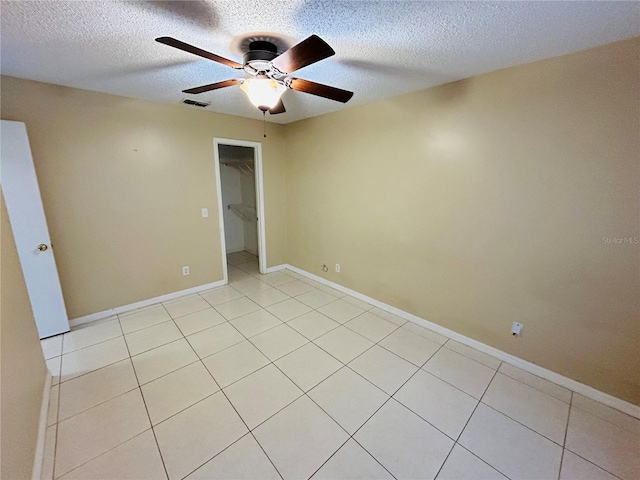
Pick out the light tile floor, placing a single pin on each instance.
(277, 376)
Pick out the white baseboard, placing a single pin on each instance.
(38, 458)
(276, 268)
(162, 298)
(582, 389)
(143, 303)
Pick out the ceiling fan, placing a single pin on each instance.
(268, 73)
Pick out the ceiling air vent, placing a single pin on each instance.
(195, 103)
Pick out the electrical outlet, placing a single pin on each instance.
(205, 212)
(185, 271)
(516, 329)
(337, 268)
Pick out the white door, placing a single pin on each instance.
(29, 225)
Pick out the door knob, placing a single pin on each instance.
(42, 247)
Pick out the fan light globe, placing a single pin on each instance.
(264, 93)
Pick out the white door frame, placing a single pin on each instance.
(257, 162)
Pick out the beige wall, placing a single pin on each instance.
(483, 202)
(23, 367)
(123, 182)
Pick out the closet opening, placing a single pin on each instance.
(241, 207)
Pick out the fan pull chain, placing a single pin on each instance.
(264, 123)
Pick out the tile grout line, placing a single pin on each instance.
(265, 453)
(483, 461)
(566, 432)
(299, 333)
(357, 356)
(536, 388)
(370, 454)
(224, 450)
(102, 403)
(188, 406)
(496, 371)
(352, 436)
(456, 441)
(130, 358)
(539, 391)
(297, 398)
(571, 407)
(290, 352)
(383, 404)
(522, 424)
(332, 455)
(144, 402)
(105, 452)
(238, 414)
(477, 361)
(228, 285)
(124, 335)
(595, 465)
(108, 364)
(451, 385)
(62, 354)
(230, 403)
(418, 368)
(55, 445)
(478, 404)
(601, 418)
(182, 336)
(186, 314)
(304, 394)
(90, 371)
(201, 400)
(402, 325)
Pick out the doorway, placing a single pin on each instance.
(241, 207)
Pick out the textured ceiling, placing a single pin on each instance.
(383, 48)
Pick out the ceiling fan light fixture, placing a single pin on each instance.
(264, 93)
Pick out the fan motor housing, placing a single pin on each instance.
(260, 54)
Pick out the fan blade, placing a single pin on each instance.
(332, 93)
(172, 42)
(309, 51)
(213, 86)
(279, 108)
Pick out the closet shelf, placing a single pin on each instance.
(244, 168)
(245, 212)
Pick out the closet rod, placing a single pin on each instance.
(245, 212)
